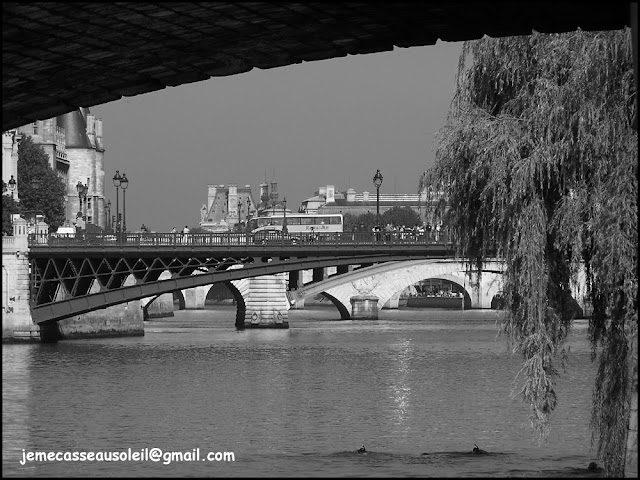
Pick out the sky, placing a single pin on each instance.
(327, 122)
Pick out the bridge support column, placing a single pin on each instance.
(364, 307)
(294, 279)
(343, 269)
(162, 306)
(266, 302)
(393, 302)
(318, 274)
(17, 324)
(194, 298)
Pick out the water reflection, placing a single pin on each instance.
(399, 385)
(295, 402)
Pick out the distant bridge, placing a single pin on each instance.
(388, 279)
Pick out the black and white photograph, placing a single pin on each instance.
(320, 239)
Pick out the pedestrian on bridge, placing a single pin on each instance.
(185, 234)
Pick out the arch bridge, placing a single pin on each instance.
(388, 279)
(64, 272)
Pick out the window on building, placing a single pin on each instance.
(35, 128)
(89, 219)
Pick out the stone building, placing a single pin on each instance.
(230, 205)
(75, 148)
(328, 200)
(227, 205)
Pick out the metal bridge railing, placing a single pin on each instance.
(227, 239)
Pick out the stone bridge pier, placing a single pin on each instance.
(17, 324)
(264, 301)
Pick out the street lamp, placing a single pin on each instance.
(248, 213)
(285, 230)
(116, 183)
(124, 183)
(82, 194)
(12, 187)
(377, 181)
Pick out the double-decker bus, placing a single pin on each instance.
(318, 224)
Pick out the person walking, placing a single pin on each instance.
(185, 234)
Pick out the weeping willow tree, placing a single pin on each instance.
(539, 164)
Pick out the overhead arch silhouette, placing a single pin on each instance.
(57, 57)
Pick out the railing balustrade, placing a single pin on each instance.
(292, 240)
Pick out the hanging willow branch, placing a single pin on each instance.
(539, 161)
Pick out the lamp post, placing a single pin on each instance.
(12, 187)
(124, 183)
(285, 230)
(82, 193)
(116, 183)
(377, 181)
(248, 214)
(109, 215)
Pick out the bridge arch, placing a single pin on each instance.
(345, 313)
(386, 280)
(461, 282)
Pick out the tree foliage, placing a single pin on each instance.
(359, 223)
(539, 162)
(398, 216)
(48, 197)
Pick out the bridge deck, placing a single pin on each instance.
(64, 271)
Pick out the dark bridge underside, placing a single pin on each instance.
(58, 56)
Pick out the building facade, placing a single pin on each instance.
(75, 148)
(328, 200)
(227, 206)
(230, 206)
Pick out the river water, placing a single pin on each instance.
(418, 387)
